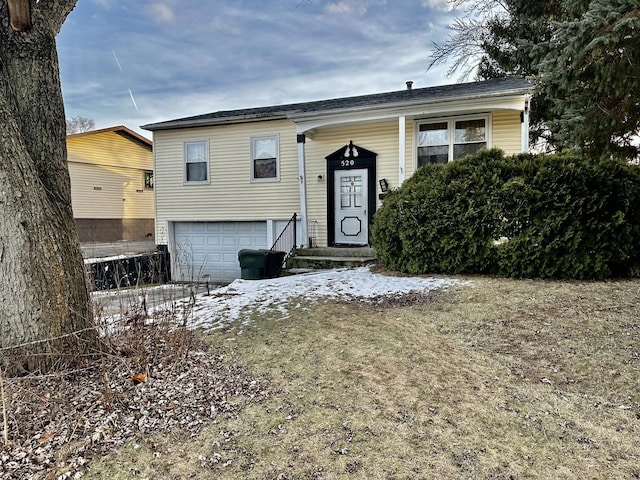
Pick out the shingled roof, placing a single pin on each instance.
(486, 88)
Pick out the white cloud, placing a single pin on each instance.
(352, 7)
(442, 5)
(161, 13)
(272, 56)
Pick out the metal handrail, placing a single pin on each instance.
(286, 241)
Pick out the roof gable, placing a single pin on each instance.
(118, 130)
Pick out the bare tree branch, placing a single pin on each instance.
(463, 46)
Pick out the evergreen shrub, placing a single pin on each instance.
(535, 216)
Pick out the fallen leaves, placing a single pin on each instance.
(105, 406)
(139, 378)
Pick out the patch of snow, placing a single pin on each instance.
(108, 259)
(241, 298)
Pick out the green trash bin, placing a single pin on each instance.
(274, 263)
(253, 264)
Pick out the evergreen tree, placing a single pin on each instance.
(498, 38)
(590, 74)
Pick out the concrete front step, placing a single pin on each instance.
(336, 252)
(331, 257)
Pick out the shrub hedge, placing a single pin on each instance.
(535, 216)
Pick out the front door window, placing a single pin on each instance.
(351, 191)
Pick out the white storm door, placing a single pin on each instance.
(351, 226)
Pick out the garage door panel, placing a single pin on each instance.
(211, 248)
(247, 241)
(215, 257)
(230, 257)
(198, 241)
(213, 241)
(200, 259)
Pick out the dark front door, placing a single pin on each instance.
(350, 195)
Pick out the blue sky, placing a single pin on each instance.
(134, 62)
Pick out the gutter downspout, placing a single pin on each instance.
(525, 125)
(402, 140)
(300, 139)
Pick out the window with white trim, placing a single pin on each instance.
(449, 139)
(196, 162)
(265, 164)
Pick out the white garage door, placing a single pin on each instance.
(211, 248)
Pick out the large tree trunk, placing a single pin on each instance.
(45, 315)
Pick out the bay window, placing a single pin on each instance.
(445, 140)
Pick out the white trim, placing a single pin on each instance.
(271, 226)
(402, 148)
(303, 195)
(450, 120)
(184, 163)
(252, 179)
(172, 247)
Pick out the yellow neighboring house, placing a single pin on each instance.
(230, 180)
(112, 180)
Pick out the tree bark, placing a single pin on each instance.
(45, 316)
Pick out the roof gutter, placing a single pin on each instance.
(210, 122)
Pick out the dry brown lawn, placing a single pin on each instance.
(500, 379)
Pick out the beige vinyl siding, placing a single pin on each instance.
(230, 195)
(507, 133)
(109, 148)
(109, 192)
(381, 138)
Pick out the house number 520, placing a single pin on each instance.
(347, 163)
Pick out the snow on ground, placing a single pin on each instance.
(242, 299)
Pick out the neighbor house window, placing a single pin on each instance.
(446, 140)
(196, 162)
(148, 179)
(264, 158)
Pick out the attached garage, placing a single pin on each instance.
(211, 248)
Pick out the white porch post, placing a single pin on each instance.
(525, 125)
(402, 140)
(301, 138)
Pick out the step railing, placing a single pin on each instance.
(286, 241)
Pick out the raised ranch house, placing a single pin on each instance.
(230, 180)
(111, 174)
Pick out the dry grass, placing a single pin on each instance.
(504, 379)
